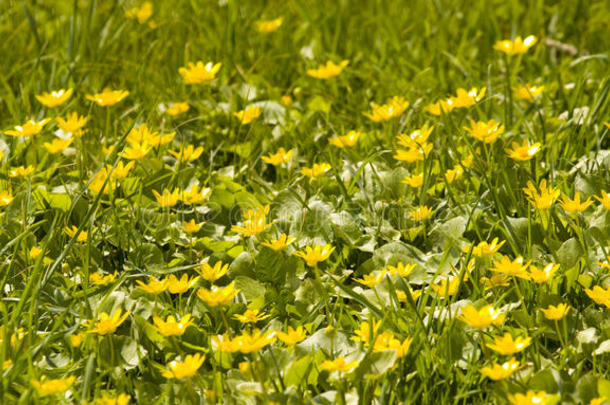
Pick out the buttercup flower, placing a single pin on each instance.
(28, 129)
(178, 108)
(71, 231)
(523, 152)
(188, 153)
(108, 97)
(20, 171)
(154, 286)
(184, 369)
(167, 199)
(196, 73)
(530, 398)
(292, 336)
(420, 213)
(100, 279)
(141, 13)
(106, 323)
(327, 71)
(194, 195)
(191, 226)
(276, 159)
(574, 206)
(318, 169)
(605, 199)
(210, 273)
(267, 26)
(465, 99)
(172, 327)
(279, 243)
(180, 285)
(600, 295)
(485, 249)
(544, 199)
(254, 223)
(507, 345)
(542, 276)
(57, 145)
(345, 141)
(51, 387)
(529, 92)
(394, 107)
(501, 371)
(339, 364)
(555, 313)
(482, 318)
(218, 295)
(72, 124)
(316, 254)
(251, 316)
(248, 115)
(415, 180)
(514, 268)
(54, 98)
(108, 399)
(486, 132)
(517, 46)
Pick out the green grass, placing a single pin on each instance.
(420, 50)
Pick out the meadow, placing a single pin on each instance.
(305, 201)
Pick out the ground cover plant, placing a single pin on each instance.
(304, 201)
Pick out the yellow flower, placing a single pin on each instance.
(415, 180)
(52, 387)
(574, 206)
(120, 170)
(154, 286)
(199, 73)
(141, 13)
(178, 108)
(544, 275)
(599, 295)
(501, 371)
(529, 93)
(193, 195)
(71, 231)
(279, 243)
(482, 318)
(605, 199)
(253, 342)
(316, 254)
(544, 199)
(224, 344)
(531, 398)
(73, 123)
(318, 169)
(136, 151)
(108, 97)
(597, 401)
(454, 174)
(365, 334)
(218, 295)
(172, 327)
(394, 107)
(21, 171)
(210, 273)
(28, 129)
(327, 71)
(514, 268)
(57, 145)
(35, 251)
(486, 249)
(106, 323)
(255, 222)
(167, 199)
(401, 269)
(486, 132)
(469, 98)
(506, 345)
(496, 280)
(555, 313)
(248, 115)
(180, 286)
(372, 280)
(517, 46)
(440, 107)
(276, 159)
(417, 138)
(347, 140)
(98, 181)
(187, 154)
(100, 279)
(413, 154)
(292, 336)
(54, 98)
(76, 340)
(5, 198)
(446, 286)
(286, 101)
(191, 226)
(184, 369)
(250, 316)
(267, 26)
(420, 213)
(523, 152)
(107, 399)
(386, 341)
(339, 364)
